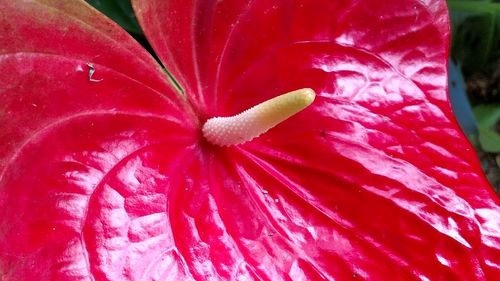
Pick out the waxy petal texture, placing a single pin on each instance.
(110, 179)
(62, 134)
(46, 49)
(378, 160)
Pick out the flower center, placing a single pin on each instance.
(251, 123)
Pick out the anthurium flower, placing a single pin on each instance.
(106, 173)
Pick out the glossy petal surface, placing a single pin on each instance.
(61, 133)
(110, 180)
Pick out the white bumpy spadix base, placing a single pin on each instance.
(226, 131)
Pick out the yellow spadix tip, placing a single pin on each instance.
(308, 95)
(249, 124)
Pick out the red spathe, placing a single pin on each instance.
(111, 180)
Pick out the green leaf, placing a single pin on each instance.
(120, 11)
(476, 32)
(487, 117)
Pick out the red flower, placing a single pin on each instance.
(106, 176)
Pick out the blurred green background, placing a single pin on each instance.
(474, 70)
(475, 77)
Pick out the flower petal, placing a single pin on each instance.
(81, 33)
(80, 99)
(374, 181)
(209, 45)
(379, 157)
(50, 53)
(189, 37)
(57, 213)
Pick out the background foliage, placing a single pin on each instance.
(475, 53)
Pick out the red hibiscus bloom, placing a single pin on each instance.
(105, 174)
